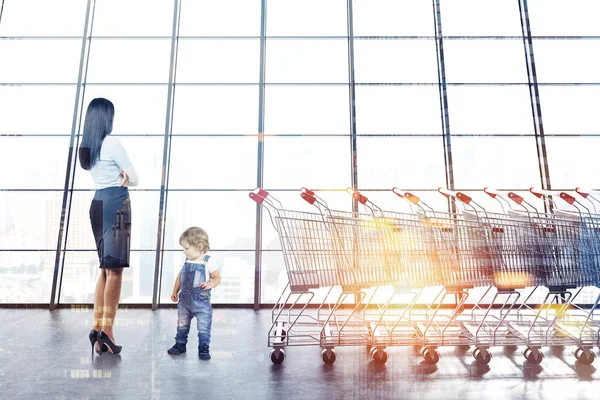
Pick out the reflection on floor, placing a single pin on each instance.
(46, 355)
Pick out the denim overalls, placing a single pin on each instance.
(194, 302)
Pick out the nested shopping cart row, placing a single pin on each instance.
(358, 253)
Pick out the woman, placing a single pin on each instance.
(110, 215)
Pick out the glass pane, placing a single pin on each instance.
(29, 220)
(40, 61)
(398, 110)
(25, 276)
(582, 56)
(146, 155)
(274, 279)
(215, 18)
(139, 109)
(481, 18)
(51, 18)
(485, 61)
(273, 276)
(301, 18)
(144, 227)
(307, 110)
(33, 162)
(392, 61)
(81, 273)
(573, 162)
(229, 218)
(237, 276)
(385, 162)
(232, 163)
(339, 200)
(551, 17)
(569, 109)
(496, 162)
(318, 163)
(50, 106)
(307, 61)
(209, 109)
(482, 110)
(129, 61)
(133, 18)
(218, 61)
(392, 18)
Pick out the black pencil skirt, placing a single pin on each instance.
(110, 215)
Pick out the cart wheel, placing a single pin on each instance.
(482, 357)
(380, 356)
(328, 356)
(585, 359)
(431, 356)
(533, 356)
(277, 356)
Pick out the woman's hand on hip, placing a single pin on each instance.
(125, 181)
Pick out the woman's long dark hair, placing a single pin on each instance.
(98, 124)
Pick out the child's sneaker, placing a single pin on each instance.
(203, 353)
(177, 348)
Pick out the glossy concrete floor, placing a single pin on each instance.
(46, 355)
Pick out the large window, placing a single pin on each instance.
(331, 94)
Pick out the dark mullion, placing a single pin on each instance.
(59, 261)
(260, 155)
(352, 101)
(158, 263)
(534, 97)
(439, 45)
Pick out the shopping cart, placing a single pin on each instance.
(383, 250)
(473, 260)
(310, 262)
(543, 250)
(416, 254)
(578, 254)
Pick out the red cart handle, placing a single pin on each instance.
(258, 195)
(540, 192)
(459, 195)
(567, 197)
(356, 195)
(491, 192)
(308, 195)
(406, 195)
(308, 191)
(515, 197)
(582, 192)
(412, 198)
(397, 192)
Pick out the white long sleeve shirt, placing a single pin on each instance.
(113, 159)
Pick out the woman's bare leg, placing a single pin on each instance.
(99, 300)
(112, 294)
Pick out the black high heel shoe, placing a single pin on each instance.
(103, 340)
(93, 339)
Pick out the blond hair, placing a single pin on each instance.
(196, 237)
